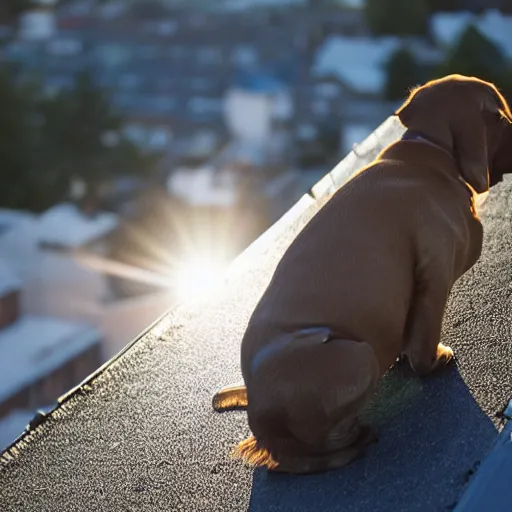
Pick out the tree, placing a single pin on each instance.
(397, 17)
(18, 177)
(83, 138)
(76, 121)
(46, 143)
(402, 72)
(474, 55)
(10, 9)
(445, 5)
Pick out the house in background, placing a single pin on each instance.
(46, 356)
(447, 27)
(350, 75)
(61, 260)
(38, 22)
(40, 248)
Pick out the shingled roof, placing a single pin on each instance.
(141, 435)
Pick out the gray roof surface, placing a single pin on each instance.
(142, 435)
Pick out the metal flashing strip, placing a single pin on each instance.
(491, 489)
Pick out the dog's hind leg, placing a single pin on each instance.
(230, 398)
(327, 462)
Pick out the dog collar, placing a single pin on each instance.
(411, 135)
(416, 136)
(278, 344)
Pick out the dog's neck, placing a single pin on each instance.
(412, 135)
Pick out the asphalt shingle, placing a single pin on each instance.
(142, 435)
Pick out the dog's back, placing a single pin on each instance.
(368, 278)
(352, 268)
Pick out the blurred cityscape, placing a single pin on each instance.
(145, 144)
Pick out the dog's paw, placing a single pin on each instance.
(423, 366)
(443, 356)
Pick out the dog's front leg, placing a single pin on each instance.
(423, 330)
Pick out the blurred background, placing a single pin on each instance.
(144, 144)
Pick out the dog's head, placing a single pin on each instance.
(468, 117)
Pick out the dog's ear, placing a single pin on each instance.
(469, 133)
(424, 112)
(450, 112)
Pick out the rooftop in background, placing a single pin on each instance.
(447, 27)
(142, 431)
(359, 62)
(66, 226)
(37, 346)
(10, 219)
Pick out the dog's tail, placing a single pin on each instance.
(306, 401)
(254, 453)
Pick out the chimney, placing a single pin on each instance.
(9, 308)
(10, 291)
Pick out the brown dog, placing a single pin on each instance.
(368, 279)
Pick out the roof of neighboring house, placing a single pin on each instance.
(10, 219)
(356, 61)
(359, 62)
(447, 27)
(204, 186)
(64, 225)
(498, 28)
(142, 432)
(36, 346)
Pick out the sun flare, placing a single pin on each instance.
(198, 279)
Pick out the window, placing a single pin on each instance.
(113, 54)
(158, 138)
(178, 52)
(164, 103)
(157, 103)
(64, 47)
(135, 132)
(209, 55)
(166, 28)
(201, 105)
(130, 81)
(200, 83)
(244, 55)
(327, 90)
(306, 132)
(147, 51)
(320, 107)
(125, 100)
(165, 82)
